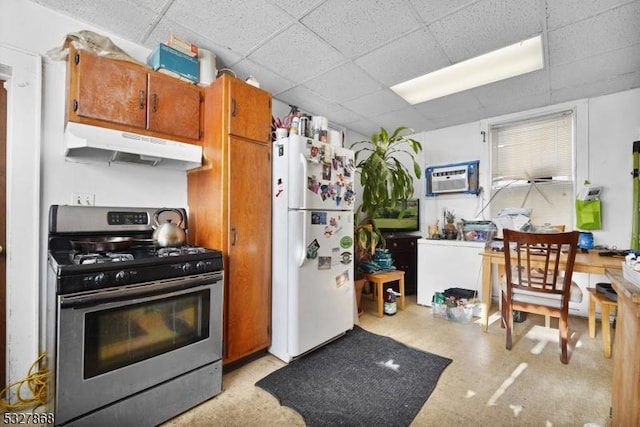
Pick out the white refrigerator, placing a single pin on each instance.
(313, 261)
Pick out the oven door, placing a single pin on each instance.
(113, 344)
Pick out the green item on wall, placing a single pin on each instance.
(588, 214)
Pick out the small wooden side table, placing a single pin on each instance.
(606, 307)
(380, 279)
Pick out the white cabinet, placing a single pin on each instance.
(444, 264)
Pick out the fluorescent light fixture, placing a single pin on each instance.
(519, 58)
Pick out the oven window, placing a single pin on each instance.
(121, 336)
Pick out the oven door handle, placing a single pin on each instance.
(146, 290)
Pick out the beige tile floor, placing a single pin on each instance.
(485, 385)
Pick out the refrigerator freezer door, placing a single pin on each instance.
(314, 175)
(320, 272)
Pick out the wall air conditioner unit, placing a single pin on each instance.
(452, 178)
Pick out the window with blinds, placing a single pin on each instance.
(532, 167)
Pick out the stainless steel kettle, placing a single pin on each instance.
(168, 234)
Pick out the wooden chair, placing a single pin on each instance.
(534, 280)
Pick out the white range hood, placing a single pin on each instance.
(93, 143)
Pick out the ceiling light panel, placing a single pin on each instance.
(519, 58)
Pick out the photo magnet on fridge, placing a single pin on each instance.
(324, 263)
(312, 249)
(335, 256)
(342, 279)
(318, 218)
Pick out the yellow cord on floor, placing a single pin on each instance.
(36, 380)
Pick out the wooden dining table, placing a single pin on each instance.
(586, 262)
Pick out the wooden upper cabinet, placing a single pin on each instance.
(173, 107)
(108, 90)
(126, 96)
(249, 111)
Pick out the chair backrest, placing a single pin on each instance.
(542, 262)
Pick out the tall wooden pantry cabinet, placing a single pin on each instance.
(230, 208)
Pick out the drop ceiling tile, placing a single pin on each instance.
(449, 105)
(590, 90)
(364, 127)
(515, 105)
(357, 26)
(297, 54)
(594, 36)
(406, 117)
(376, 103)
(412, 55)
(433, 10)
(340, 115)
(342, 83)
(561, 13)
(486, 26)
(513, 89)
(129, 20)
(239, 25)
(607, 66)
(297, 8)
(225, 58)
(308, 101)
(269, 81)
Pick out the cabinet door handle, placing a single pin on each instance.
(142, 98)
(234, 236)
(154, 102)
(233, 107)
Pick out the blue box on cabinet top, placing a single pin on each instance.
(166, 58)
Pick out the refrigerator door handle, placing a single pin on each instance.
(303, 254)
(303, 162)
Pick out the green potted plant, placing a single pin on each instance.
(366, 239)
(385, 180)
(384, 177)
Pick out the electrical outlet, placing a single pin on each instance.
(83, 199)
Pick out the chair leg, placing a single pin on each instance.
(503, 308)
(508, 317)
(564, 333)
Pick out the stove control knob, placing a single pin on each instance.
(99, 279)
(186, 267)
(201, 265)
(121, 276)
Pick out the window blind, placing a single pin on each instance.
(532, 166)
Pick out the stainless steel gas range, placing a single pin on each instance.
(134, 330)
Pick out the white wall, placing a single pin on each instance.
(116, 185)
(22, 73)
(606, 127)
(443, 146)
(614, 123)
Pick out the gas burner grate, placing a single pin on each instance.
(101, 258)
(115, 257)
(178, 251)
